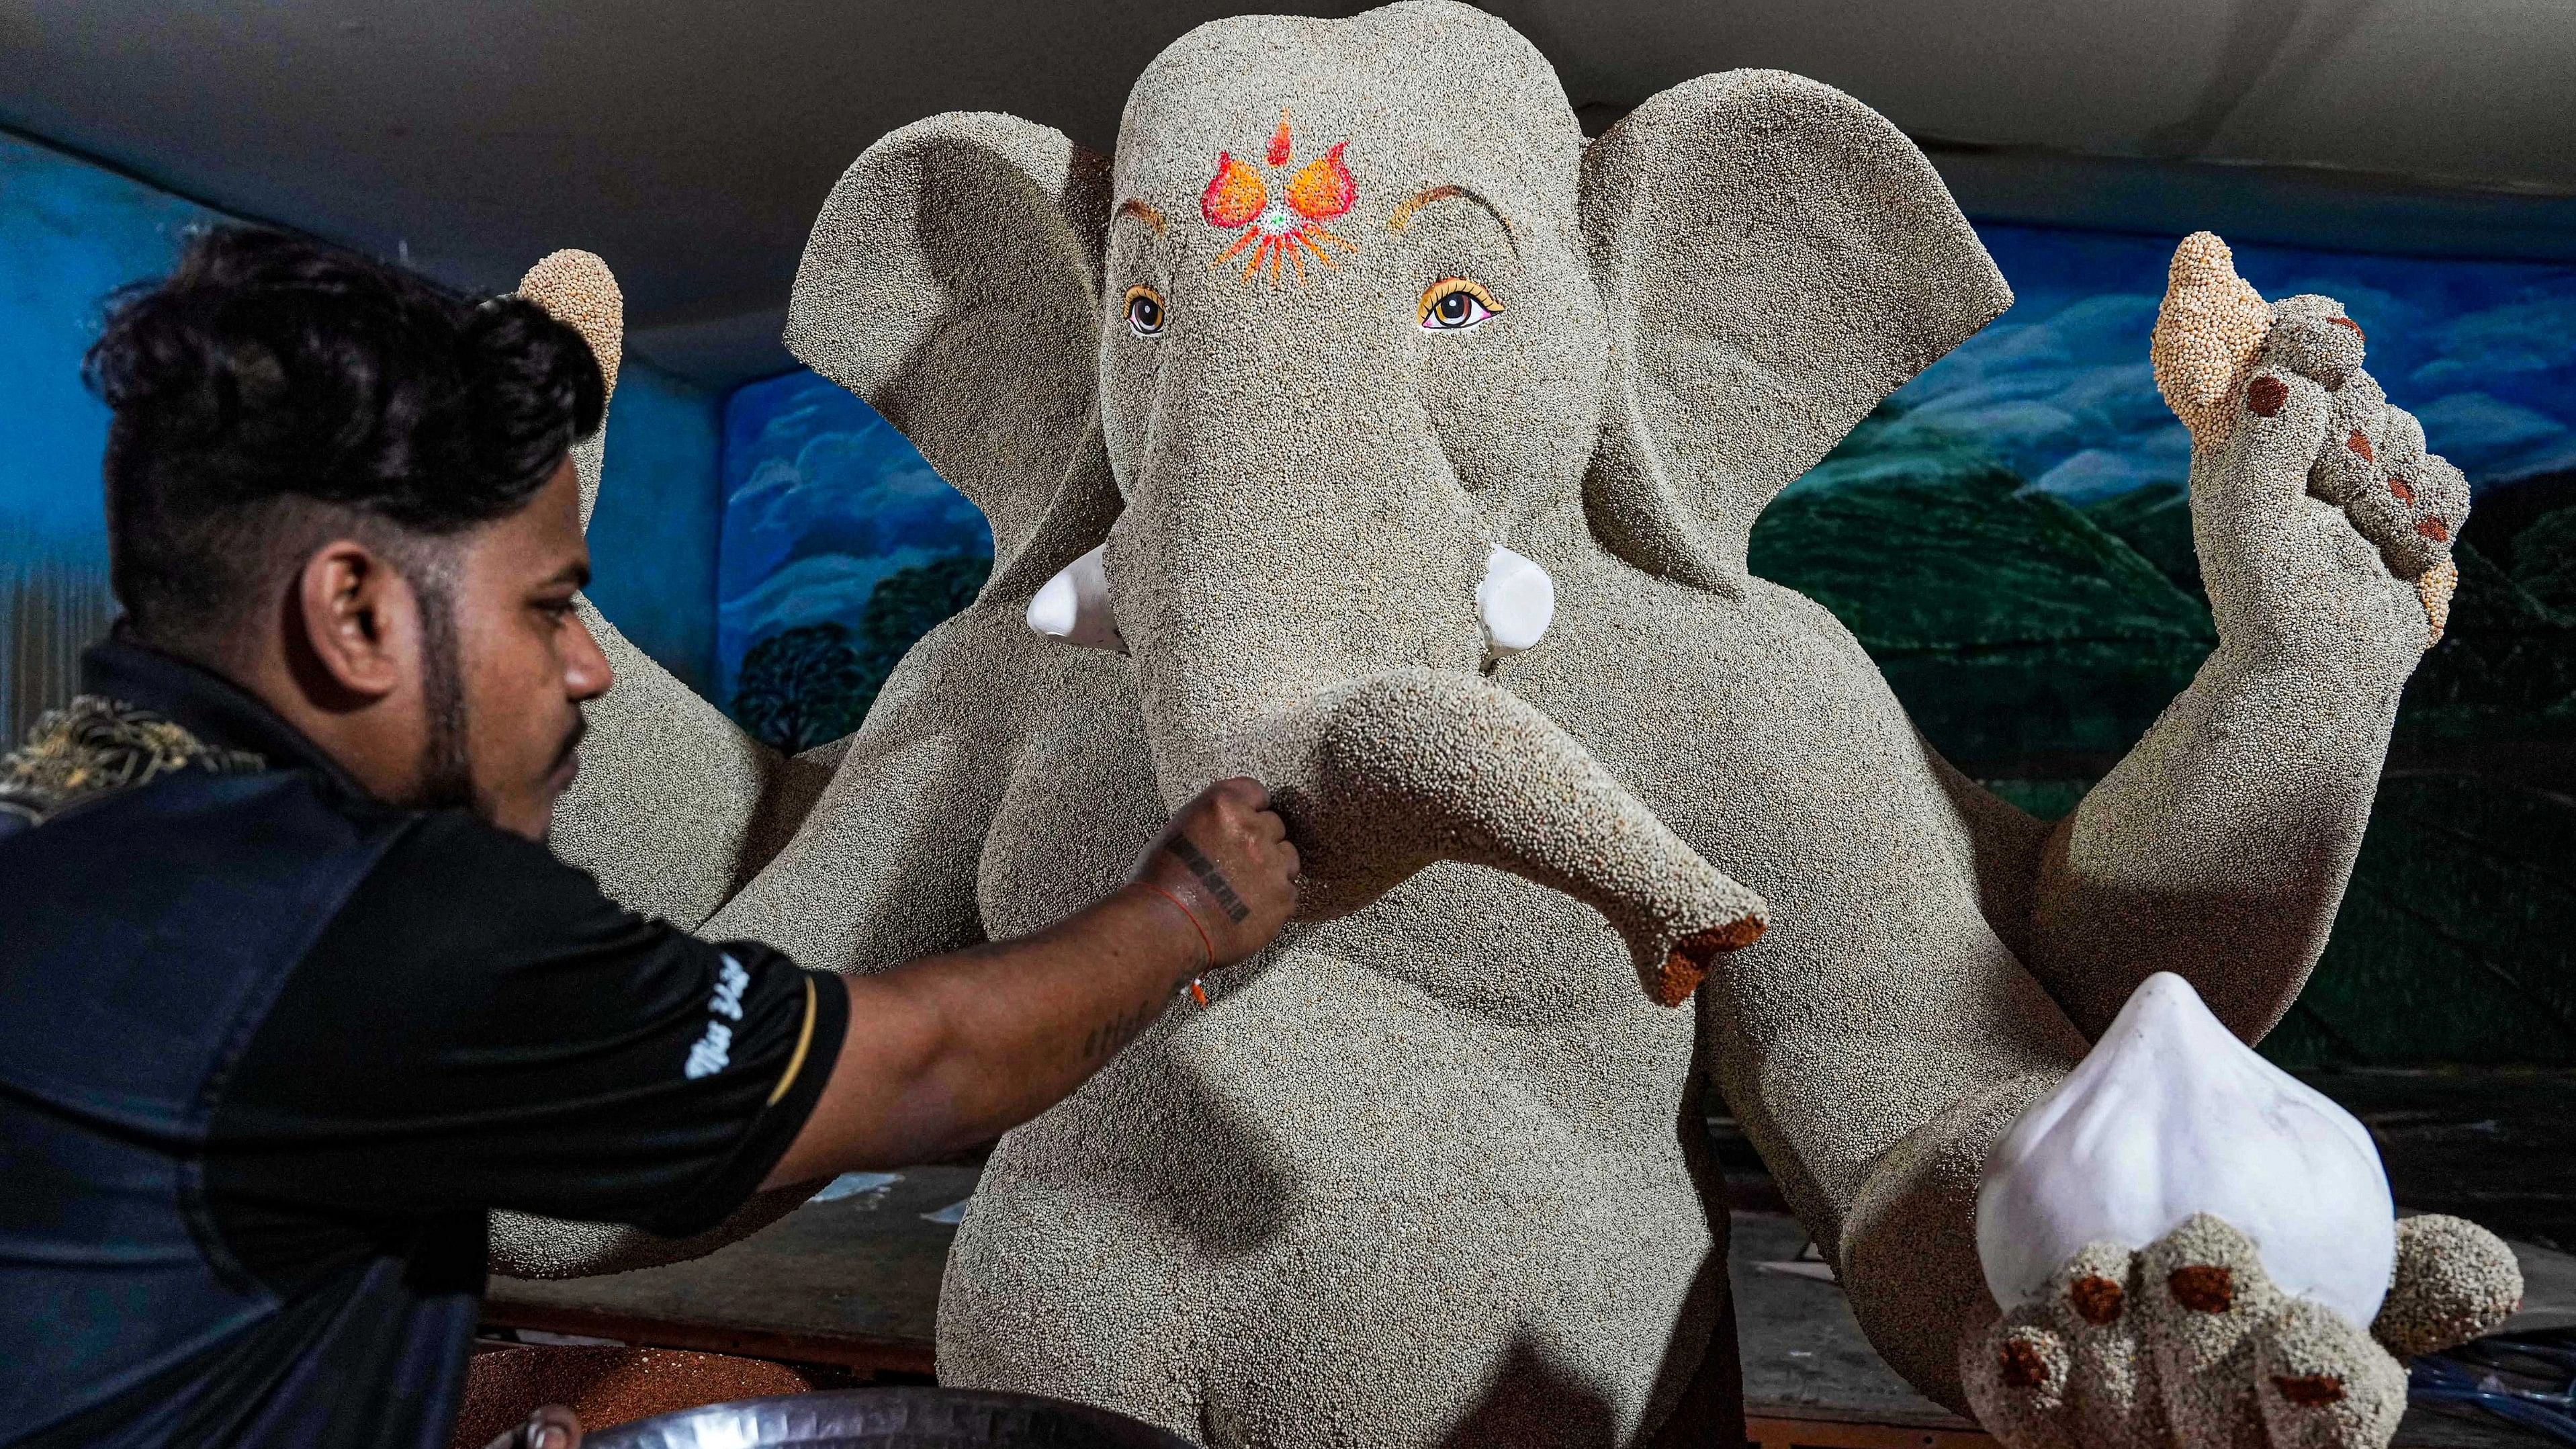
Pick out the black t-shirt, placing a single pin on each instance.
(270, 1050)
(480, 1027)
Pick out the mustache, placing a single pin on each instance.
(572, 740)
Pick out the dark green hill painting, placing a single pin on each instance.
(2011, 538)
(2026, 638)
(2034, 640)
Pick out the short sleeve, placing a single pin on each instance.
(480, 1027)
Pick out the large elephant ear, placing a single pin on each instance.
(577, 288)
(952, 281)
(1775, 258)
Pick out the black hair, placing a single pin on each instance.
(272, 388)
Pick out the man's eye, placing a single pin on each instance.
(1144, 311)
(1455, 304)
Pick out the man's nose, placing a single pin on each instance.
(587, 674)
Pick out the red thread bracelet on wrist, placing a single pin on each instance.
(1195, 988)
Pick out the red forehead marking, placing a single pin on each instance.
(1237, 196)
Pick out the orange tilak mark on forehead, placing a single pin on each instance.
(1234, 196)
(1280, 231)
(1322, 189)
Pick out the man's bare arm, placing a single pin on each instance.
(952, 1050)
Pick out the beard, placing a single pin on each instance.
(446, 776)
(446, 779)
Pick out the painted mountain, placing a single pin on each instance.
(2009, 536)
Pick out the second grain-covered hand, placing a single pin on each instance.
(2314, 504)
(2195, 1250)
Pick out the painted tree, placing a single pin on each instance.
(813, 684)
(797, 688)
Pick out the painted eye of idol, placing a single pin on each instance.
(1455, 304)
(1144, 311)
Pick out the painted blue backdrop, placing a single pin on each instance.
(824, 500)
(70, 233)
(2058, 387)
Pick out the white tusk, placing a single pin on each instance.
(2171, 1115)
(1074, 606)
(1516, 600)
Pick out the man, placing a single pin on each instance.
(290, 992)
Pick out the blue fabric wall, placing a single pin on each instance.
(71, 232)
(653, 534)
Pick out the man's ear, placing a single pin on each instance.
(354, 611)
(1775, 258)
(953, 280)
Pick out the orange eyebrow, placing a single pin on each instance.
(1403, 216)
(1142, 212)
(1417, 201)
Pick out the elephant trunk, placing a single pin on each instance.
(1300, 591)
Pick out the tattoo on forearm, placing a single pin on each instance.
(1106, 1038)
(1211, 877)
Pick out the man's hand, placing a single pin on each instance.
(1226, 863)
(949, 1051)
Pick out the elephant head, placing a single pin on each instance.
(1287, 399)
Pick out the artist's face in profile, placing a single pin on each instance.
(506, 719)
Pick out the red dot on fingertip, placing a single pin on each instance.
(2265, 397)
(2434, 529)
(2361, 445)
(2203, 1287)
(2023, 1368)
(2309, 1391)
(2404, 491)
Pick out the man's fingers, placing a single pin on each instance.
(1243, 791)
(1226, 856)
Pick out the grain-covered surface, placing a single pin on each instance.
(604, 1385)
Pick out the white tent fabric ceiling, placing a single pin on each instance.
(690, 143)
